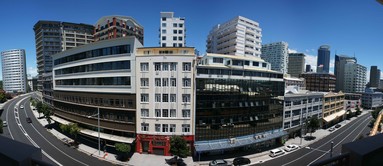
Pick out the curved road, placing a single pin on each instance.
(54, 151)
(321, 148)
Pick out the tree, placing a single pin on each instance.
(39, 107)
(124, 149)
(178, 146)
(358, 112)
(74, 130)
(47, 111)
(2, 98)
(8, 96)
(313, 124)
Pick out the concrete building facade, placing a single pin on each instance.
(372, 98)
(340, 62)
(14, 72)
(320, 82)
(238, 36)
(296, 64)
(333, 108)
(277, 55)
(293, 81)
(172, 30)
(354, 77)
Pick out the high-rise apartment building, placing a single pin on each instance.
(238, 36)
(52, 37)
(374, 76)
(276, 54)
(324, 58)
(296, 64)
(165, 100)
(14, 70)
(340, 62)
(172, 30)
(354, 77)
(110, 27)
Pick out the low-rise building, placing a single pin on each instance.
(352, 102)
(293, 81)
(333, 108)
(299, 106)
(320, 82)
(371, 98)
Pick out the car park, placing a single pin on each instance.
(291, 147)
(220, 162)
(241, 161)
(29, 120)
(276, 152)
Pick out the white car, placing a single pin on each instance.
(276, 152)
(291, 147)
(21, 106)
(5, 124)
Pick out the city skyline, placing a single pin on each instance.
(305, 33)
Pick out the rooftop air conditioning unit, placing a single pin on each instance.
(232, 140)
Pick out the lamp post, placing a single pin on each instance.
(98, 124)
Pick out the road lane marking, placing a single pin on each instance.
(339, 141)
(6, 117)
(323, 144)
(51, 158)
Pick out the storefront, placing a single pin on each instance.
(157, 144)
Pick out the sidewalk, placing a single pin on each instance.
(83, 148)
(264, 156)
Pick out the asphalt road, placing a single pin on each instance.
(54, 151)
(321, 149)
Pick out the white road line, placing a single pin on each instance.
(320, 146)
(359, 133)
(6, 117)
(51, 158)
(339, 142)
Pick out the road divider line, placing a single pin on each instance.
(6, 118)
(51, 158)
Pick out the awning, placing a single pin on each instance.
(107, 136)
(204, 146)
(60, 120)
(334, 116)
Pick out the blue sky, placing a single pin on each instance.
(348, 26)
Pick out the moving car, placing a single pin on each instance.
(241, 161)
(276, 152)
(5, 124)
(331, 129)
(338, 125)
(220, 162)
(29, 120)
(291, 147)
(21, 106)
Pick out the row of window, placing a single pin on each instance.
(95, 67)
(201, 70)
(165, 113)
(180, 38)
(95, 81)
(186, 66)
(165, 98)
(304, 101)
(165, 127)
(175, 25)
(122, 49)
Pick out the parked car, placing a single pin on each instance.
(29, 120)
(338, 125)
(241, 161)
(5, 124)
(331, 129)
(291, 147)
(220, 162)
(276, 152)
(21, 106)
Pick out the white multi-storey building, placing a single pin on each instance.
(354, 77)
(277, 55)
(172, 30)
(165, 97)
(14, 70)
(299, 106)
(238, 36)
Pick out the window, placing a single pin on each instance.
(174, 44)
(180, 38)
(163, 24)
(186, 82)
(173, 66)
(165, 66)
(158, 127)
(186, 113)
(186, 66)
(165, 98)
(157, 97)
(157, 112)
(217, 60)
(163, 37)
(172, 128)
(185, 97)
(144, 126)
(165, 113)
(144, 113)
(180, 25)
(157, 81)
(186, 128)
(163, 18)
(144, 66)
(144, 81)
(264, 64)
(180, 32)
(163, 44)
(144, 97)
(174, 31)
(173, 97)
(157, 66)
(175, 25)
(165, 128)
(165, 81)
(164, 31)
(173, 82)
(174, 38)
(179, 45)
(173, 113)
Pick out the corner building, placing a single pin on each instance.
(238, 105)
(96, 76)
(165, 97)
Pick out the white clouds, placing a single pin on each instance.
(311, 60)
(32, 71)
(292, 51)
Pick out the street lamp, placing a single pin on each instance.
(98, 124)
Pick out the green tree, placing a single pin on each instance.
(39, 107)
(74, 130)
(8, 96)
(2, 98)
(313, 124)
(124, 149)
(178, 146)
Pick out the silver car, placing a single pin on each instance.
(220, 162)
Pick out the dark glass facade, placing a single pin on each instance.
(119, 65)
(232, 107)
(324, 58)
